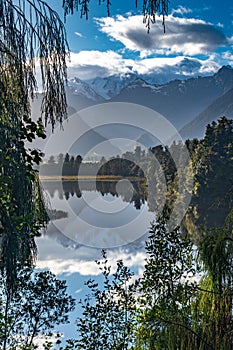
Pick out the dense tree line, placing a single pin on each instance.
(128, 165)
(212, 168)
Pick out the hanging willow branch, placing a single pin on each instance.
(149, 9)
(153, 7)
(32, 35)
(32, 38)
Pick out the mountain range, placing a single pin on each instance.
(189, 104)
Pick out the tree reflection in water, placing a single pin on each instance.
(137, 196)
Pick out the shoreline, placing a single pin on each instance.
(103, 178)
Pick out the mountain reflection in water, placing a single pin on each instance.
(101, 214)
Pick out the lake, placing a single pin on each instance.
(91, 215)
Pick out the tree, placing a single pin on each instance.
(212, 170)
(168, 288)
(51, 160)
(77, 164)
(39, 302)
(215, 299)
(30, 32)
(108, 312)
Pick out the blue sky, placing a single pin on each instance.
(118, 45)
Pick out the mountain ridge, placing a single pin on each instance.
(223, 106)
(185, 103)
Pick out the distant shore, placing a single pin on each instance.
(107, 178)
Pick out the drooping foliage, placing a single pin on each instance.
(22, 213)
(215, 298)
(149, 9)
(31, 36)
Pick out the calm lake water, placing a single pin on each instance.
(97, 214)
(89, 216)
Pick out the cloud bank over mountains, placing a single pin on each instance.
(188, 36)
(202, 44)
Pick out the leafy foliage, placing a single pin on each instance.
(168, 287)
(39, 302)
(183, 300)
(108, 311)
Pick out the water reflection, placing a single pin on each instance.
(70, 189)
(100, 214)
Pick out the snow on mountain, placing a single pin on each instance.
(140, 83)
(108, 87)
(188, 66)
(81, 88)
(179, 101)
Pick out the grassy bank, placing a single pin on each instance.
(106, 178)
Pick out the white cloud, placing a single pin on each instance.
(228, 55)
(68, 266)
(90, 64)
(41, 339)
(154, 53)
(220, 25)
(61, 260)
(79, 290)
(187, 36)
(80, 35)
(181, 10)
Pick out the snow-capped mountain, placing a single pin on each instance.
(81, 88)
(179, 101)
(108, 87)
